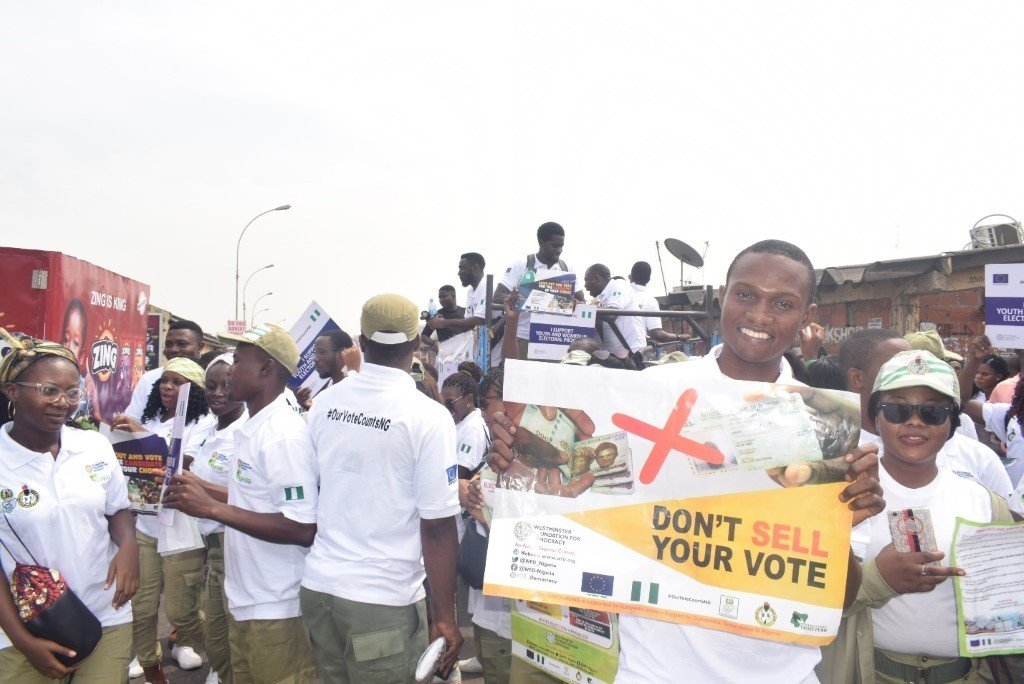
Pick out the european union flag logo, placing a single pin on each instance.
(1001, 278)
(453, 473)
(975, 642)
(596, 583)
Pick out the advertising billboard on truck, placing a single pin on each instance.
(99, 315)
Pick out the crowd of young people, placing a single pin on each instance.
(331, 523)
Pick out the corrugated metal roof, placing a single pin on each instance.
(894, 269)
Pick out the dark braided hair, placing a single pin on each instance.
(197, 406)
(464, 382)
(473, 369)
(495, 379)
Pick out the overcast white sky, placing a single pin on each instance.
(143, 136)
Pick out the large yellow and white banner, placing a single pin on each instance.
(665, 494)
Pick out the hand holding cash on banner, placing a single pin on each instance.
(631, 493)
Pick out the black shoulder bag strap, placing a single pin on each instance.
(635, 357)
(23, 545)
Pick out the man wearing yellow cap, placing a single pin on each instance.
(386, 519)
(269, 510)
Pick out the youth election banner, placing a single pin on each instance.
(665, 494)
(1004, 305)
(551, 335)
(313, 323)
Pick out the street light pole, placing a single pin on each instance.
(245, 288)
(260, 299)
(238, 247)
(266, 308)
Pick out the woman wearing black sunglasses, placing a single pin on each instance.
(915, 407)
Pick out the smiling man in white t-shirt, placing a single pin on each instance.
(386, 521)
(768, 297)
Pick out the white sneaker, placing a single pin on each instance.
(471, 666)
(134, 669)
(212, 678)
(187, 658)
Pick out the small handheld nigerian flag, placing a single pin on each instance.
(293, 494)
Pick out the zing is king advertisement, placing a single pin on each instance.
(99, 315)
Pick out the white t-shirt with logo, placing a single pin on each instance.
(387, 460)
(476, 300)
(899, 624)
(471, 438)
(212, 462)
(471, 444)
(273, 471)
(645, 301)
(58, 507)
(656, 651)
(514, 276)
(618, 294)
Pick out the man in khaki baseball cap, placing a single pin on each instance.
(390, 319)
(269, 513)
(386, 441)
(276, 342)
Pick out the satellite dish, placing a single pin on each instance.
(684, 252)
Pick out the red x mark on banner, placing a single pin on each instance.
(668, 438)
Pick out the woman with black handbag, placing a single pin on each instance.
(66, 533)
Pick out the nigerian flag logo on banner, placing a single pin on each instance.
(293, 494)
(641, 589)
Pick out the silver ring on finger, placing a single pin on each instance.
(923, 572)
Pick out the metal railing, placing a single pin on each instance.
(689, 317)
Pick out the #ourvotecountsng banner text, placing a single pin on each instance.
(666, 494)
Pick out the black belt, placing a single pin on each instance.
(934, 674)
